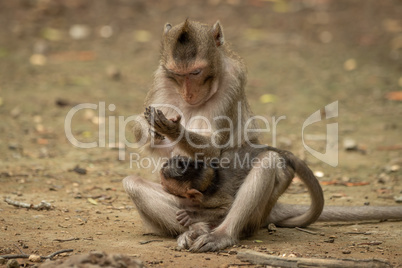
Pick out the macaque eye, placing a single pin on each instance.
(196, 72)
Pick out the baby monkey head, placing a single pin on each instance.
(184, 177)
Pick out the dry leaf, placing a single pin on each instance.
(92, 201)
(394, 95)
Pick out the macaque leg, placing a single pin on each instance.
(156, 207)
(254, 200)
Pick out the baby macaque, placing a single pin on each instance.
(207, 189)
(204, 195)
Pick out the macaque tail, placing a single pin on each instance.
(281, 212)
(360, 213)
(317, 197)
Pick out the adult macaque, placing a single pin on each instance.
(200, 84)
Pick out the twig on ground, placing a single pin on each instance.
(306, 231)
(26, 256)
(258, 258)
(357, 233)
(57, 253)
(150, 234)
(42, 205)
(66, 240)
(150, 241)
(19, 249)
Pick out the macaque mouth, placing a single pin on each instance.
(198, 102)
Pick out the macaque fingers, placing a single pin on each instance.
(154, 122)
(183, 218)
(166, 124)
(186, 221)
(160, 123)
(180, 214)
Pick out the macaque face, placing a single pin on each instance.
(173, 186)
(194, 82)
(177, 178)
(174, 176)
(191, 60)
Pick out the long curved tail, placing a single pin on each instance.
(310, 215)
(289, 215)
(360, 213)
(281, 212)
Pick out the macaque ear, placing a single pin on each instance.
(194, 195)
(217, 33)
(167, 28)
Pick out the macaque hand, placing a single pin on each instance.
(213, 241)
(183, 217)
(161, 125)
(156, 135)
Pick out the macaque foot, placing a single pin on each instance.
(186, 239)
(160, 124)
(183, 217)
(212, 242)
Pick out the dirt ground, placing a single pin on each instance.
(301, 56)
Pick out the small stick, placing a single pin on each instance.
(19, 249)
(66, 240)
(240, 264)
(269, 260)
(149, 241)
(149, 234)
(306, 231)
(57, 253)
(42, 204)
(357, 233)
(26, 256)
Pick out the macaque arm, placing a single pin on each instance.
(140, 129)
(193, 143)
(254, 201)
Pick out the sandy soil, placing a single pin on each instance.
(307, 54)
